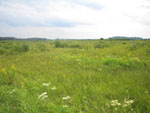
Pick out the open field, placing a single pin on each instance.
(75, 76)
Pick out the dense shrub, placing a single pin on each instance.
(115, 61)
(64, 44)
(57, 44)
(101, 45)
(137, 45)
(21, 48)
(75, 46)
(13, 49)
(121, 63)
(42, 47)
(25, 48)
(60, 44)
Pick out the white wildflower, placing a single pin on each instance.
(78, 59)
(65, 106)
(125, 105)
(99, 69)
(127, 102)
(131, 101)
(53, 88)
(43, 94)
(66, 98)
(118, 104)
(43, 97)
(46, 84)
(12, 91)
(115, 103)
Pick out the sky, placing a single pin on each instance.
(74, 19)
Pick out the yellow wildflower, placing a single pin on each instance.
(3, 70)
(25, 79)
(138, 60)
(13, 67)
(22, 83)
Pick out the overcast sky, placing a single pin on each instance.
(74, 18)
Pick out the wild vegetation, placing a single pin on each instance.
(75, 76)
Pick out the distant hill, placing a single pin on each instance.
(13, 38)
(126, 38)
(35, 39)
(111, 38)
(8, 38)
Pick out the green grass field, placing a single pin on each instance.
(75, 76)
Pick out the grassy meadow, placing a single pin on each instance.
(75, 76)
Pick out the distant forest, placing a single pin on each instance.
(14, 38)
(110, 38)
(126, 38)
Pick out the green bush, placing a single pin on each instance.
(21, 48)
(25, 48)
(59, 44)
(75, 46)
(14, 48)
(42, 47)
(101, 45)
(120, 63)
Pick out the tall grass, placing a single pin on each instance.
(79, 78)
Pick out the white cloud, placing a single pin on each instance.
(74, 18)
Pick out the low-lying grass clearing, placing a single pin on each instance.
(75, 76)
